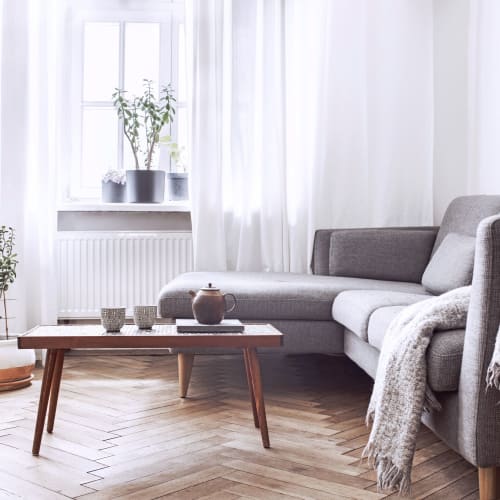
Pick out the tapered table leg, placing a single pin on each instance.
(185, 367)
(54, 392)
(250, 388)
(259, 396)
(44, 399)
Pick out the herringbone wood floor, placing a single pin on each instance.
(122, 432)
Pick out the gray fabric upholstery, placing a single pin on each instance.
(271, 295)
(361, 352)
(379, 321)
(353, 308)
(320, 259)
(444, 360)
(451, 265)
(465, 213)
(444, 355)
(445, 423)
(478, 410)
(385, 254)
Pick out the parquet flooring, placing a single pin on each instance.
(122, 432)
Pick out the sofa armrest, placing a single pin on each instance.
(397, 237)
(478, 412)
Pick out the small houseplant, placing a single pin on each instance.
(16, 365)
(143, 119)
(177, 178)
(113, 185)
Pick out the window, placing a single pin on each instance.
(118, 44)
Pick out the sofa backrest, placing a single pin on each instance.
(464, 214)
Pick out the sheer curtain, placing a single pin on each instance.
(30, 97)
(306, 115)
(484, 97)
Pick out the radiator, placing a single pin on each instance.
(98, 269)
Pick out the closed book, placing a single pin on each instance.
(225, 326)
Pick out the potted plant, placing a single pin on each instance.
(143, 118)
(16, 365)
(177, 178)
(113, 186)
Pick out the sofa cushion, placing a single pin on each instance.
(271, 295)
(452, 264)
(444, 354)
(353, 308)
(386, 254)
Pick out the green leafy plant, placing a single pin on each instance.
(8, 264)
(177, 153)
(146, 112)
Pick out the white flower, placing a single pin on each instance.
(116, 176)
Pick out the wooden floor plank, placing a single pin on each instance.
(121, 431)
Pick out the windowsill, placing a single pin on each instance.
(93, 206)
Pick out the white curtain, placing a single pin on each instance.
(306, 115)
(484, 97)
(30, 103)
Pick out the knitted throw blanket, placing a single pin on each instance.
(493, 374)
(400, 393)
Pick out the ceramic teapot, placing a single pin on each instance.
(209, 305)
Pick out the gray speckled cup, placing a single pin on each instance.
(112, 318)
(144, 317)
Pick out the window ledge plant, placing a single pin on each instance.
(143, 118)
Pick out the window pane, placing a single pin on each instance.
(99, 145)
(101, 59)
(142, 55)
(181, 91)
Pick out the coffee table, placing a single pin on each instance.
(59, 339)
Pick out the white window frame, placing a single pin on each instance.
(169, 15)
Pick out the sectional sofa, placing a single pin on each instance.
(361, 279)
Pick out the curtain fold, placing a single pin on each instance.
(484, 97)
(306, 115)
(30, 96)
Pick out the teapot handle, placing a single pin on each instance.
(234, 302)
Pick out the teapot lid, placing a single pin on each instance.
(210, 288)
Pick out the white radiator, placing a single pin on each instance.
(97, 269)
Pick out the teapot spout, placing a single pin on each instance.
(193, 294)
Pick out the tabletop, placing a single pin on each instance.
(95, 337)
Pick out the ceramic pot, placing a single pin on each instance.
(177, 186)
(209, 305)
(16, 365)
(113, 192)
(145, 186)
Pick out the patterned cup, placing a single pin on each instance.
(112, 318)
(144, 317)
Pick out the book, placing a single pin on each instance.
(225, 326)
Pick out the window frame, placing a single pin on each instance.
(169, 15)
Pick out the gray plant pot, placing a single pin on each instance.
(145, 186)
(178, 186)
(113, 192)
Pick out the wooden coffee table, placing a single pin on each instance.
(59, 339)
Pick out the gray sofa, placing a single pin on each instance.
(362, 278)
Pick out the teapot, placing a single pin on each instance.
(209, 305)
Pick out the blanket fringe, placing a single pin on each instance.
(370, 416)
(390, 477)
(431, 404)
(493, 375)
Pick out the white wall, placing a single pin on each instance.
(451, 19)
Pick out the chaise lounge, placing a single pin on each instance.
(362, 278)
